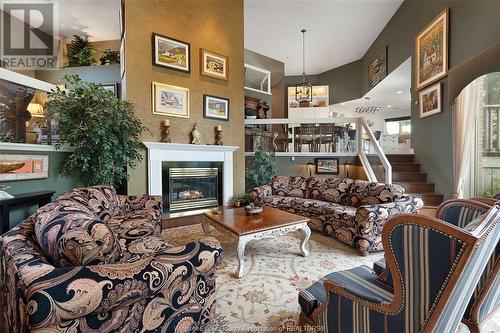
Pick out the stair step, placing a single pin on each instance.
(417, 187)
(400, 158)
(409, 177)
(430, 199)
(408, 167)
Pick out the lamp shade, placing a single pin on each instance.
(35, 109)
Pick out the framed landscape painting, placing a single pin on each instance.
(431, 48)
(170, 100)
(171, 53)
(327, 166)
(377, 70)
(213, 64)
(113, 87)
(23, 167)
(215, 107)
(429, 100)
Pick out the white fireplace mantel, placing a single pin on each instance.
(178, 152)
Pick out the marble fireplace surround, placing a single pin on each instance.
(179, 152)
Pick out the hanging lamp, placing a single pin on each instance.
(303, 90)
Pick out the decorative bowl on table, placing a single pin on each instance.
(251, 209)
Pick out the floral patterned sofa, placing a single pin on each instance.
(353, 211)
(93, 261)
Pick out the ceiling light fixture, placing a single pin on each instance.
(367, 108)
(389, 106)
(400, 92)
(303, 90)
(343, 103)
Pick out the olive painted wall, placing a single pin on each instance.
(213, 25)
(55, 182)
(473, 27)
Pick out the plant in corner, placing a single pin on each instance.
(262, 167)
(81, 52)
(110, 57)
(103, 130)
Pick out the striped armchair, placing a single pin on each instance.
(435, 267)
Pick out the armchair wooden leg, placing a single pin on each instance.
(473, 327)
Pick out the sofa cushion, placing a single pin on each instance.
(363, 192)
(289, 186)
(334, 190)
(69, 234)
(280, 202)
(102, 200)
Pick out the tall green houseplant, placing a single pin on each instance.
(103, 130)
(262, 167)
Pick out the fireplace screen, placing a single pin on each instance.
(192, 188)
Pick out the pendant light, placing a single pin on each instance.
(303, 90)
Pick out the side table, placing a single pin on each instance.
(41, 198)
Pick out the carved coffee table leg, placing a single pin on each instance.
(307, 233)
(242, 242)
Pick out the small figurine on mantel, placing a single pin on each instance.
(195, 133)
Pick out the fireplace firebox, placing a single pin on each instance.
(189, 186)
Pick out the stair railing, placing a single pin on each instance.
(362, 124)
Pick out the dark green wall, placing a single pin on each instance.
(55, 182)
(474, 26)
(344, 82)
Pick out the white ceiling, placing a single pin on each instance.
(98, 19)
(338, 32)
(385, 93)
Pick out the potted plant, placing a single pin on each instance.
(81, 52)
(241, 200)
(261, 168)
(110, 57)
(103, 130)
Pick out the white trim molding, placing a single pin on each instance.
(178, 152)
(34, 147)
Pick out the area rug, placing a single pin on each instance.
(265, 299)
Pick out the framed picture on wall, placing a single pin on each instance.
(327, 166)
(214, 65)
(377, 70)
(431, 48)
(171, 53)
(215, 107)
(170, 100)
(23, 167)
(113, 87)
(429, 100)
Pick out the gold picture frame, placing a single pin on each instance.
(430, 100)
(431, 51)
(214, 65)
(169, 100)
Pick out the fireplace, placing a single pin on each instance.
(188, 186)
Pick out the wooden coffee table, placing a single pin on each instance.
(270, 223)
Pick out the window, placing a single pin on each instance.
(401, 126)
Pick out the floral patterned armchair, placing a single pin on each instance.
(435, 268)
(93, 261)
(353, 211)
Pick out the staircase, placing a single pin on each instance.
(406, 172)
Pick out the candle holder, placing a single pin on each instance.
(218, 136)
(165, 133)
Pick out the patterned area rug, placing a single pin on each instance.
(265, 299)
